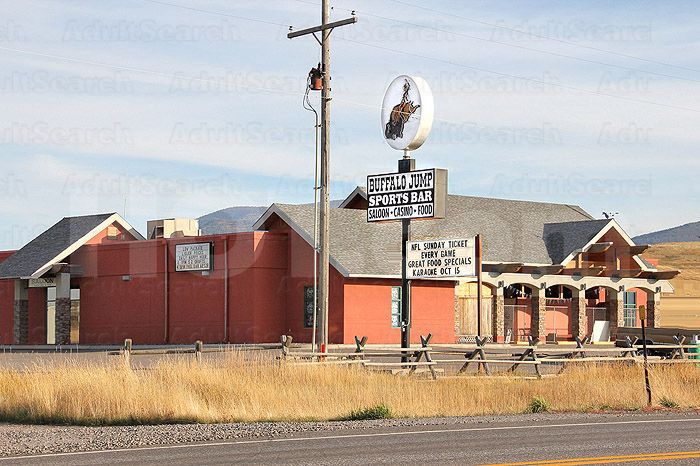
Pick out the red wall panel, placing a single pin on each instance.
(7, 292)
(368, 311)
(300, 274)
(112, 309)
(7, 298)
(257, 276)
(196, 299)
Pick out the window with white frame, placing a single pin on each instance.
(630, 309)
(396, 306)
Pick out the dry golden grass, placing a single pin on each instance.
(264, 391)
(684, 257)
(682, 308)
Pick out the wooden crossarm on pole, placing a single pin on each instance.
(312, 30)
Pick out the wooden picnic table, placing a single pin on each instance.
(676, 351)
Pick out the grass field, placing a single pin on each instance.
(682, 308)
(681, 256)
(266, 391)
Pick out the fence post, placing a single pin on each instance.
(198, 351)
(360, 344)
(286, 343)
(127, 352)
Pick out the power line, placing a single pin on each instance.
(524, 78)
(339, 100)
(132, 69)
(542, 36)
(484, 70)
(521, 47)
(228, 15)
(212, 81)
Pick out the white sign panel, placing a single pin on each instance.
(42, 282)
(416, 194)
(192, 257)
(441, 258)
(407, 112)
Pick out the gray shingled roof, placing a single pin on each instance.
(562, 239)
(512, 231)
(48, 245)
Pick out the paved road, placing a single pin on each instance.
(609, 439)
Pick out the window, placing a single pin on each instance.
(112, 232)
(309, 306)
(630, 309)
(396, 306)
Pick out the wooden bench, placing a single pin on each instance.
(676, 349)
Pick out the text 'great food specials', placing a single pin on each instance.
(416, 194)
(441, 258)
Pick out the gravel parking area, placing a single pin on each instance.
(33, 439)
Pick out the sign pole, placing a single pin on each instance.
(478, 285)
(407, 164)
(642, 318)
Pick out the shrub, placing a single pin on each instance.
(668, 403)
(538, 405)
(380, 411)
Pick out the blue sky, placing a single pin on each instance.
(160, 111)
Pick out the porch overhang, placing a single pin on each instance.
(579, 281)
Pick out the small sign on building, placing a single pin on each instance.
(192, 257)
(441, 258)
(42, 282)
(415, 194)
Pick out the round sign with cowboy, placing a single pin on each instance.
(407, 112)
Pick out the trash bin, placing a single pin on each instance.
(695, 351)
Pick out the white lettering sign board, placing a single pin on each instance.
(192, 257)
(441, 258)
(416, 194)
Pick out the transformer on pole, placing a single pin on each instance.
(325, 30)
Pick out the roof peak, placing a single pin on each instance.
(105, 214)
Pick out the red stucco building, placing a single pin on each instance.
(96, 280)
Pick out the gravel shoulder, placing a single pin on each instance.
(41, 439)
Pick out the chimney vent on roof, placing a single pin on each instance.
(173, 228)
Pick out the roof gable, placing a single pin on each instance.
(562, 239)
(356, 200)
(57, 243)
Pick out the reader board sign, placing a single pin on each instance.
(415, 194)
(192, 257)
(441, 258)
(42, 282)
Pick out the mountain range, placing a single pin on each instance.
(690, 232)
(230, 220)
(235, 219)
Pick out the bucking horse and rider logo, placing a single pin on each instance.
(400, 115)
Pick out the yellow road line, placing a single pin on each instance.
(610, 459)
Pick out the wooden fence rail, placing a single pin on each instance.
(483, 355)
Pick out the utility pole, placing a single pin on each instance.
(325, 30)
